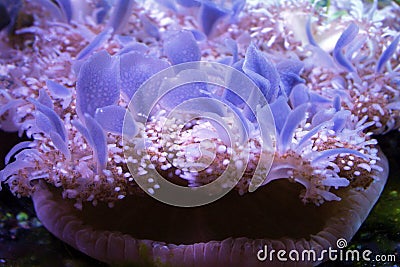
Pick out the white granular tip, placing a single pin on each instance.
(365, 166)
(239, 164)
(151, 191)
(350, 163)
(221, 149)
(165, 167)
(142, 172)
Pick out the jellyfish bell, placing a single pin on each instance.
(140, 230)
(326, 171)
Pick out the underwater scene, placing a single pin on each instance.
(199, 133)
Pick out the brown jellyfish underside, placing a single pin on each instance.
(140, 231)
